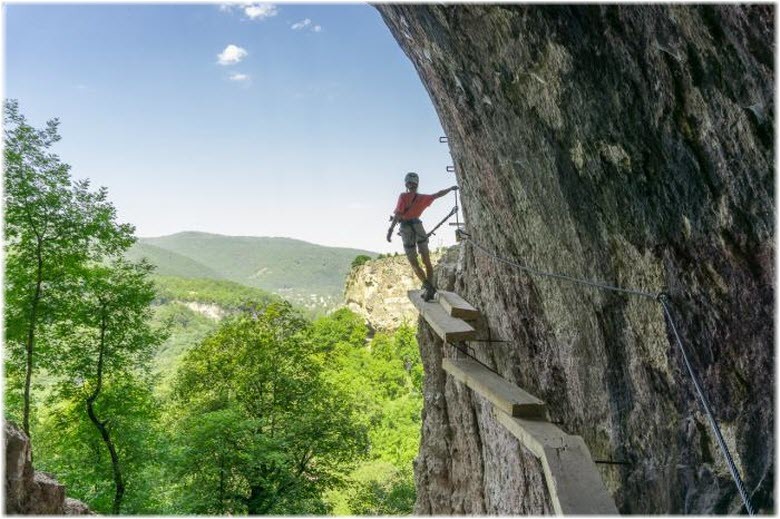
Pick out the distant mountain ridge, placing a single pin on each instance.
(305, 273)
(170, 263)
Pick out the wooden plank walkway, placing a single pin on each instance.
(573, 481)
(456, 306)
(447, 327)
(504, 395)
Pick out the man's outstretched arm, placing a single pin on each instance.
(443, 192)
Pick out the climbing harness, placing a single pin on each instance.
(661, 298)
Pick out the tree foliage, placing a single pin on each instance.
(53, 227)
(360, 259)
(73, 306)
(383, 377)
(107, 336)
(254, 405)
(69, 446)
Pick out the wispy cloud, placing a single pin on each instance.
(306, 24)
(252, 10)
(300, 25)
(260, 11)
(239, 77)
(231, 55)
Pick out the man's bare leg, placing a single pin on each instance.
(416, 267)
(428, 267)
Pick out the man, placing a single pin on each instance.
(407, 211)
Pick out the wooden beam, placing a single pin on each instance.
(456, 306)
(535, 435)
(573, 480)
(503, 394)
(449, 328)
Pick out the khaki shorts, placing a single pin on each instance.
(415, 238)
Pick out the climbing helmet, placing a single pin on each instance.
(412, 177)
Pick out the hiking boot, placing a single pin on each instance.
(430, 291)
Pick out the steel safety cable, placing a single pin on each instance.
(661, 298)
(705, 404)
(565, 277)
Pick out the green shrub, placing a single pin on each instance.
(361, 259)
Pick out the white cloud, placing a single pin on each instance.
(237, 76)
(300, 25)
(260, 11)
(307, 23)
(231, 55)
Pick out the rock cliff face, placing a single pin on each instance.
(631, 145)
(377, 290)
(30, 492)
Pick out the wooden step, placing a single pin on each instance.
(447, 327)
(504, 395)
(535, 435)
(573, 481)
(456, 306)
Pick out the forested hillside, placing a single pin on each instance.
(311, 276)
(161, 395)
(189, 309)
(169, 263)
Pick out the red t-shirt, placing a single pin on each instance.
(409, 207)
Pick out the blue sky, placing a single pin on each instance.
(305, 129)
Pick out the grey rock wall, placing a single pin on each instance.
(30, 492)
(632, 145)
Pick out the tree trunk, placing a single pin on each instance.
(101, 425)
(258, 501)
(29, 347)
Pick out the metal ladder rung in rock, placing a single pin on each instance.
(505, 396)
(449, 328)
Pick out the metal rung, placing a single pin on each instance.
(450, 169)
(443, 140)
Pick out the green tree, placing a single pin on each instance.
(360, 260)
(52, 227)
(107, 336)
(383, 377)
(381, 488)
(69, 445)
(261, 430)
